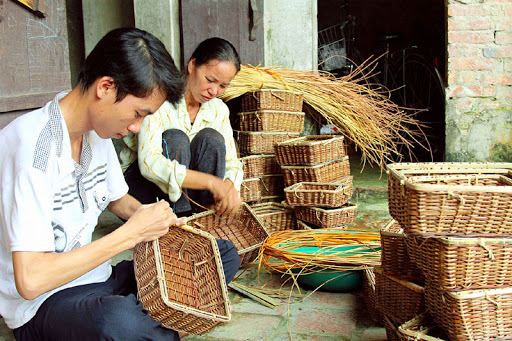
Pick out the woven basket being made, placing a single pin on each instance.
(254, 142)
(245, 230)
(275, 217)
(269, 99)
(272, 120)
(317, 194)
(327, 217)
(255, 166)
(421, 328)
(181, 281)
(250, 190)
(324, 172)
(310, 150)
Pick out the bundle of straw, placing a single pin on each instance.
(320, 250)
(364, 113)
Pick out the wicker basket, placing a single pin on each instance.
(398, 298)
(398, 173)
(271, 120)
(275, 217)
(271, 199)
(421, 328)
(250, 190)
(323, 172)
(245, 230)
(369, 297)
(302, 225)
(267, 99)
(458, 205)
(310, 150)
(255, 142)
(472, 314)
(256, 166)
(272, 185)
(181, 281)
(395, 256)
(327, 217)
(392, 333)
(464, 263)
(317, 194)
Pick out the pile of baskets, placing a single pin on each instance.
(266, 118)
(317, 175)
(457, 230)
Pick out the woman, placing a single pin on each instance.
(186, 153)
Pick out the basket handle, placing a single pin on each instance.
(275, 95)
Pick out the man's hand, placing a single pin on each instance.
(227, 199)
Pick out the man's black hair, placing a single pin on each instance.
(137, 61)
(215, 49)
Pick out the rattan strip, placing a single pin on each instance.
(471, 315)
(401, 299)
(167, 272)
(324, 172)
(250, 190)
(272, 120)
(395, 256)
(250, 143)
(327, 218)
(310, 150)
(317, 194)
(272, 100)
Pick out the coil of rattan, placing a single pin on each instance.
(310, 150)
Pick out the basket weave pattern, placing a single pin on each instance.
(250, 190)
(255, 166)
(317, 194)
(181, 282)
(421, 328)
(271, 185)
(369, 297)
(270, 120)
(327, 218)
(310, 150)
(250, 143)
(324, 172)
(275, 217)
(267, 99)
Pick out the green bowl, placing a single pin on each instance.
(345, 281)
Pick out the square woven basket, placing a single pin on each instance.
(245, 230)
(250, 190)
(310, 150)
(464, 263)
(269, 99)
(275, 217)
(327, 217)
(324, 172)
(317, 194)
(181, 281)
(421, 328)
(255, 166)
(255, 142)
(272, 120)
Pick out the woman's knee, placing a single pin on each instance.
(176, 145)
(211, 136)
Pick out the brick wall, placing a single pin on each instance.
(479, 93)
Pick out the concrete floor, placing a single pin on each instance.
(314, 316)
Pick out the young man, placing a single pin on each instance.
(58, 172)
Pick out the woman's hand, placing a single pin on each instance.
(227, 199)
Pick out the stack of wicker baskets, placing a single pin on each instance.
(457, 221)
(266, 118)
(317, 172)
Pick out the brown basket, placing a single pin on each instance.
(302, 225)
(472, 314)
(327, 217)
(398, 173)
(317, 194)
(272, 185)
(369, 297)
(267, 99)
(244, 230)
(271, 199)
(254, 142)
(250, 190)
(275, 217)
(181, 281)
(392, 333)
(401, 299)
(323, 172)
(458, 205)
(256, 166)
(310, 150)
(271, 120)
(422, 327)
(395, 256)
(464, 263)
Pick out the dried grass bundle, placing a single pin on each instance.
(381, 129)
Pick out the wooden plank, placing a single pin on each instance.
(28, 101)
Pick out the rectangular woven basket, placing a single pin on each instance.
(464, 263)
(317, 194)
(256, 142)
(245, 230)
(275, 217)
(324, 172)
(181, 281)
(395, 256)
(269, 99)
(472, 314)
(398, 173)
(327, 217)
(310, 150)
(391, 326)
(272, 185)
(421, 328)
(370, 300)
(272, 120)
(250, 190)
(255, 166)
(398, 298)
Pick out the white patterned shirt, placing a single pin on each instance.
(167, 174)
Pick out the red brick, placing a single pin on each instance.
(468, 24)
(503, 38)
(503, 92)
(503, 23)
(462, 10)
(466, 91)
(488, 91)
(498, 79)
(455, 51)
(471, 64)
(470, 37)
(505, 51)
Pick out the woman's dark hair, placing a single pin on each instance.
(137, 61)
(215, 49)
